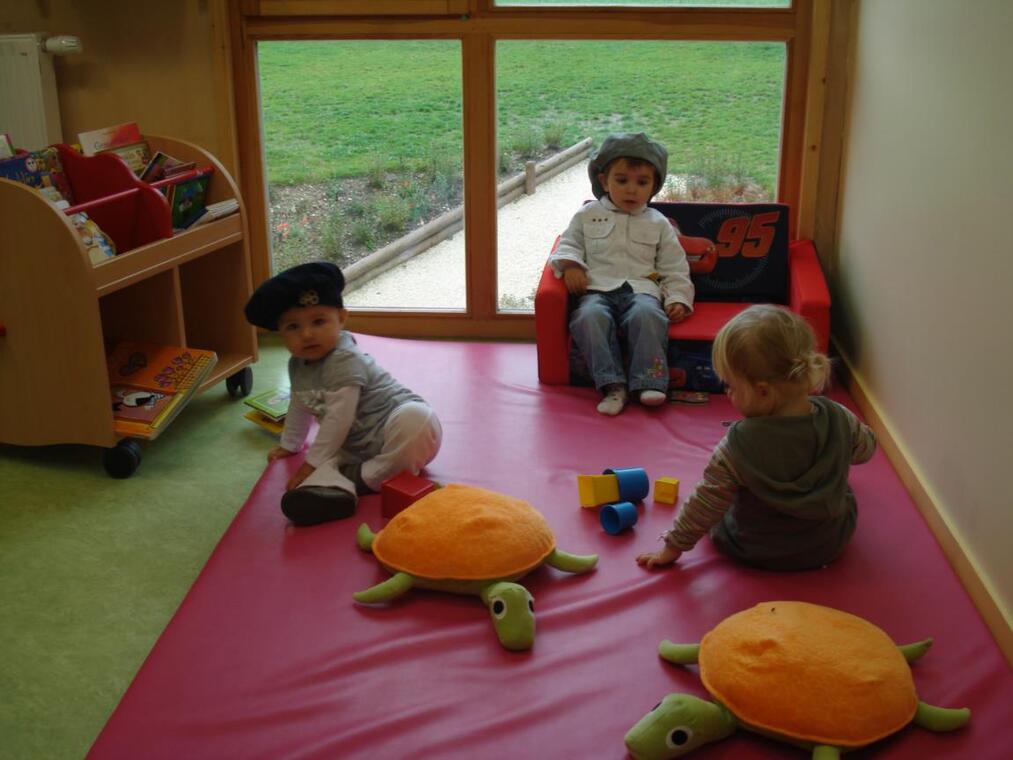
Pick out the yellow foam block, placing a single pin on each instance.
(666, 490)
(597, 489)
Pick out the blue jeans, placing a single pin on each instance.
(596, 324)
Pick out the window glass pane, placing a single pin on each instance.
(363, 146)
(654, 3)
(716, 106)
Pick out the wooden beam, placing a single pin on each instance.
(479, 98)
(814, 108)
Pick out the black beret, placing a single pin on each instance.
(318, 282)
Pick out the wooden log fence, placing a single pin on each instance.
(446, 225)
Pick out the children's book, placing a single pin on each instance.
(98, 244)
(158, 370)
(41, 169)
(137, 155)
(272, 404)
(273, 426)
(187, 200)
(163, 165)
(99, 140)
(133, 403)
(186, 193)
(216, 211)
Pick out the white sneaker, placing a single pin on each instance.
(652, 398)
(614, 401)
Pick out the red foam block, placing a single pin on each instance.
(401, 491)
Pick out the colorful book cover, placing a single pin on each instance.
(163, 165)
(272, 403)
(140, 404)
(172, 371)
(137, 155)
(98, 140)
(99, 245)
(187, 198)
(41, 169)
(157, 367)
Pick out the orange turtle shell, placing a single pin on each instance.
(461, 532)
(809, 672)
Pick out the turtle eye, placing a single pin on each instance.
(498, 608)
(531, 604)
(655, 707)
(679, 737)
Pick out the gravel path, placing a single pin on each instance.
(526, 228)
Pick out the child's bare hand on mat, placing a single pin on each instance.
(576, 280)
(660, 558)
(676, 312)
(278, 453)
(304, 471)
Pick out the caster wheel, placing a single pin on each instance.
(240, 384)
(122, 459)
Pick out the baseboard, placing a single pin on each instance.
(928, 506)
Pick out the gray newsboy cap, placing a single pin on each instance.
(318, 282)
(628, 145)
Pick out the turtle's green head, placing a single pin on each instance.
(676, 726)
(513, 614)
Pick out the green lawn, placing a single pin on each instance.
(363, 138)
(346, 108)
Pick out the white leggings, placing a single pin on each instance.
(411, 440)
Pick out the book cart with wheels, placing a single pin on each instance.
(59, 312)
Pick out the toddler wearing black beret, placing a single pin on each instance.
(371, 426)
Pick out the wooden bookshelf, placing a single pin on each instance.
(58, 312)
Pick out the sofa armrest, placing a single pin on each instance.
(808, 294)
(552, 328)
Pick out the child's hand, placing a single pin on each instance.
(660, 558)
(278, 453)
(676, 312)
(576, 280)
(304, 471)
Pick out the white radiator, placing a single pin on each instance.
(29, 108)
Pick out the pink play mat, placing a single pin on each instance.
(269, 657)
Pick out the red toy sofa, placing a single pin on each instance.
(739, 254)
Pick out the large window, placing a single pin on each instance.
(362, 142)
(372, 136)
(716, 106)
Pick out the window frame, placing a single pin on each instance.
(478, 29)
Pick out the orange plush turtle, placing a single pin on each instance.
(813, 676)
(468, 540)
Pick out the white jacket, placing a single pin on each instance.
(615, 247)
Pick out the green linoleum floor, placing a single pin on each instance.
(93, 568)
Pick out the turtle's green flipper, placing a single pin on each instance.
(825, 752)
(940, 718)
(912, 652)
(364, 538)
(571, 563)
(392, 588)
(680, 654)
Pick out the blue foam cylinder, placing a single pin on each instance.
(633, 482)
(615, 518)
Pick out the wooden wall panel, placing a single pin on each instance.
(154, 63)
